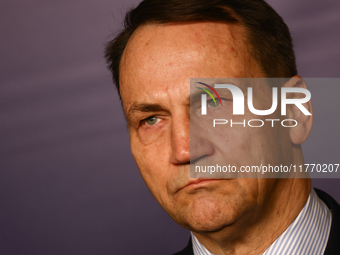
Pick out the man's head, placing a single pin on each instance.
(268, 37)
(155, 67)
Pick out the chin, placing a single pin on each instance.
(209, 214)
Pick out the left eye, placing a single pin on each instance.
(151, 120)
(211, 103)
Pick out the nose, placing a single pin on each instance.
(188, 145)
(180, 139)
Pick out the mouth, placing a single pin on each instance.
(200, 183)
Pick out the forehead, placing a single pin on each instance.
(170, 54)
(183, 37)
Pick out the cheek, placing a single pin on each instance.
(150, 144)
(152, 160)
(153, 136)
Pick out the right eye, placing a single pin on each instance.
(151, 120)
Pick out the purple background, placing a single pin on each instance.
(68, 182)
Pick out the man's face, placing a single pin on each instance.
(155, 73)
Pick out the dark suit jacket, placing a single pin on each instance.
(333, 244)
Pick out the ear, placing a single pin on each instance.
(301, 131)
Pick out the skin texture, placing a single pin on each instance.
(236, 216)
